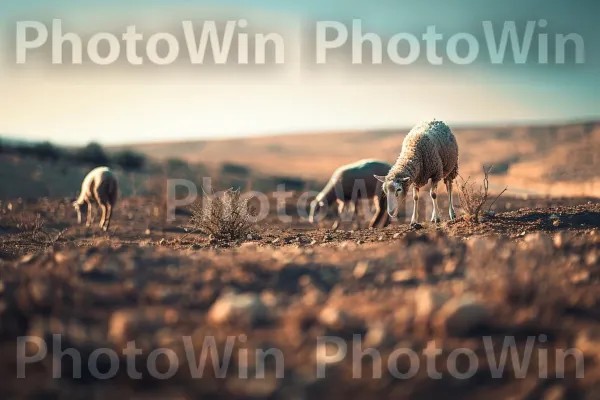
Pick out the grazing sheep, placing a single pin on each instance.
(99, 186)
(347, 183)
(429, 151)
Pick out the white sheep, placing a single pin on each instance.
(99, 186)
(346, 184)
(429, 151)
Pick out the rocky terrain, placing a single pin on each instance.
(280, 307)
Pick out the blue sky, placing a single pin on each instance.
(115, 105)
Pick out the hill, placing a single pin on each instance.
(545, 159)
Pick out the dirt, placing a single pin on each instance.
(529, 272)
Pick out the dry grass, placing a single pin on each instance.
(228, 216)
(473, 199)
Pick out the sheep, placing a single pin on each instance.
(429, 151)
(99, 186)
(344, 187)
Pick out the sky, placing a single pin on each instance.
(120, 103)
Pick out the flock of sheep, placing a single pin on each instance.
(429, 152)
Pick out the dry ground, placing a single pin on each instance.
(531, 272)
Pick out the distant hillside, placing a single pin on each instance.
(552, 159)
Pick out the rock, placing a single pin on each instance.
(377, 336)
(41, 293)
(556, 223)
(362, 269)
(555, 392)
(428, 302)
(396, 235)
(162, 242)
(591, 259)
(559, 240)
(247, 309)
(333, 318)
(360, 241)
(405, 276)
(538, 241)
(26, 259)
(147, 232)
(313, 242)
(275, 241)
(460, 316)
(101, 268)
(588, 342)
(127, 325)
(480, 245)
(580, 278)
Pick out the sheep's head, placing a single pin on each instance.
(395, 188)
(316, 207)
(79, 208)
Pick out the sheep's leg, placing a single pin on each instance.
(90, 216)
(341, 207)
(435, 216)
(354, 215)
(108, 216)
(78, 215)
(103, 219)
(415, 216)
(451, 206)
(380, 213)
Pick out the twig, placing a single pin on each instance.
(496, 199)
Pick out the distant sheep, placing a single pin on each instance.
(349, 183)
(99, 186)
(429, 151)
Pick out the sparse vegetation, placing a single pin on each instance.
(129, 160)
(473, 199)
(228, 216)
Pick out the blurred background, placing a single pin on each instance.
(256, 126)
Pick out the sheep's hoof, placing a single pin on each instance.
(415, 225)
(436, 220)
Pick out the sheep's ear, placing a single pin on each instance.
(380, 178)
(406, 179)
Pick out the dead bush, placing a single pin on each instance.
(228, 216)
(473, 199)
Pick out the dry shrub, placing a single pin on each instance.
(228, 216)
(472, 198)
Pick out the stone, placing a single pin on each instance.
(333, 318)
(128, 325)
(460, 316)
(231, 308)
(362, 269)
(427, 302)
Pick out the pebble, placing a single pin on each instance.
(41, 293)
(404, 276)
(377, 336)
(127, 325)
(362, 269)
(538, 241)
(559, 240)
(459, 316)
(588, 343)
(428, 302)
(248, 309)
(333, 318)
(396, 235)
